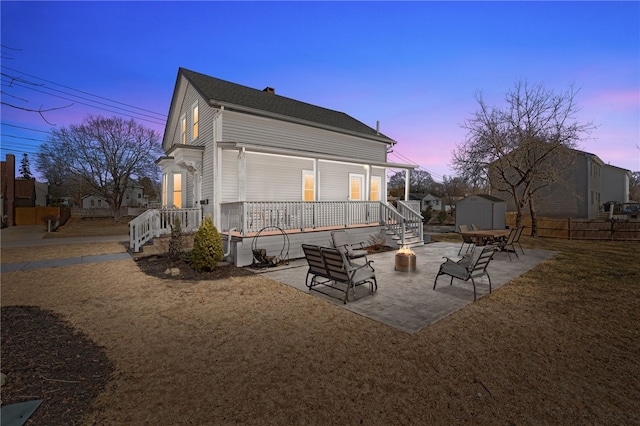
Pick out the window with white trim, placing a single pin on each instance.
(165, 188)
(356, 185)
(376, 188)
(196, 118)
(308, 185)
(177, 190)
(183, 129)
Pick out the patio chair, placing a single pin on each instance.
(507, 244)
(516, 240)
(475, 268)
(474, 227)
(340, 240)
(470, 241)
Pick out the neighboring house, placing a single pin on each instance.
(586, 185)
(615, 184)
(8, 190)
(432, 201)
(253, 159)
(133, 197)
(42, 193)
(25, 192)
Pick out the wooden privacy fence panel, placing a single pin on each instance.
(35, 215)
(580, 229)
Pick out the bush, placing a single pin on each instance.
(442, 217)
(427, 214)
(207, 247)
(175, 242)
(54, 220)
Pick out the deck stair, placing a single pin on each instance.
(403, 226)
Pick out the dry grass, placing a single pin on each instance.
(559, 345)
(91, 227)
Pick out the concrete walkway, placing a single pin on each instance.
(35, 236)
(406, 300)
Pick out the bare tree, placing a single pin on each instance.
(105, 154)
(634, 186)
(420, 181)
(522, 148)
(454, 188)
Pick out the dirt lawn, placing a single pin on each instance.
(558, 345)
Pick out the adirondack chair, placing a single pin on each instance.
(340, 241)
(468, 269)
(466, 240)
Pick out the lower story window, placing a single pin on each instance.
(177, 190)
(308, 186)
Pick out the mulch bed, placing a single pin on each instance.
(45, 358)
(162, 266)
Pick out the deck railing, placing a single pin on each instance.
(154, 223)
(252, 216)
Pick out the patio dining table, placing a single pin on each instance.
(482, 235)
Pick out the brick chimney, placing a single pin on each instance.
(269, 90)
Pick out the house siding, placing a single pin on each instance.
(334, 179)
(256, 130)
(205, 119)
(615, 184)
(274, 177)
(229, 176)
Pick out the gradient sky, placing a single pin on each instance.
(414, 66)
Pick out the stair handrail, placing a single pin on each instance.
(143, 228)
(393, 220)
(414, 218)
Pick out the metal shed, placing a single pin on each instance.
(486, 211)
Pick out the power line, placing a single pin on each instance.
(89, 105)
(87, 93)
(25, 128)
(21, 137)
(81, 97)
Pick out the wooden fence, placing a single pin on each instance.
(580, 229)
(35, 215)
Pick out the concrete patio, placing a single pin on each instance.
(406, 300)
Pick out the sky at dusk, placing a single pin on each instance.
(416, 67)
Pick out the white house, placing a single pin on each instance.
(133, 197)
(259, 162)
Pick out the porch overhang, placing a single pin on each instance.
(188, 157)
(309, 154)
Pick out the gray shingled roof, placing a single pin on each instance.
(223, 91)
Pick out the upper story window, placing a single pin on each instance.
(183, 129)
(196, 119)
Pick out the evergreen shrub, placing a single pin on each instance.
(207, 247)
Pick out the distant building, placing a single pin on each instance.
(133, 197)
(587, 184)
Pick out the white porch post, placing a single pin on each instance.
(407, 176)
(217, 170)
(242, 175)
